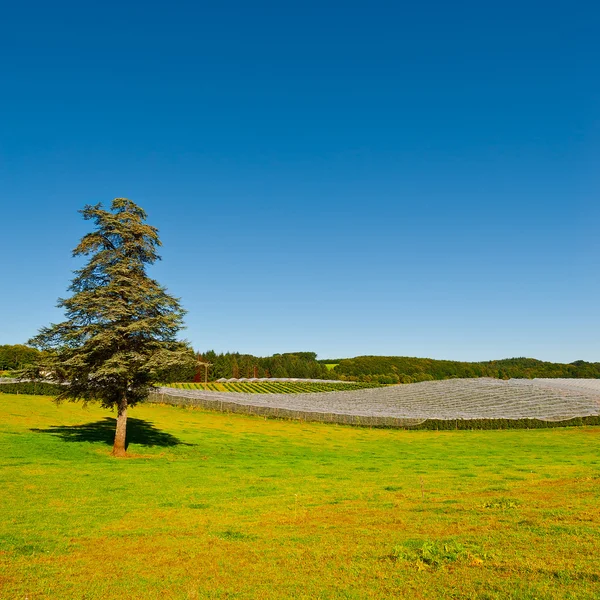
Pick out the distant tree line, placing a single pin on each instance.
(376, 369)
(403, 369)
(229, 364)
(291, 364)
(18, 356)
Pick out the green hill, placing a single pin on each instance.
(404, 369)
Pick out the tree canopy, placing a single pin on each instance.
(405, 369)
(17, 356)
(289, 364)
(119, 333)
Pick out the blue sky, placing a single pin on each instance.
(349, 178)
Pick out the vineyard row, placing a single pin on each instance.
(273, 387)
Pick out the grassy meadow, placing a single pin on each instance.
(213, 505)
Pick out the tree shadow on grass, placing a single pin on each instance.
(138, 432)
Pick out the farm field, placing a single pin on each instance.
(273, 387)
(230, 506)
(463, 399)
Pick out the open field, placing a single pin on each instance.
(411, 404)
(227, 506)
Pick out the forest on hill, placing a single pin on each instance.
(17, 356)
(303, 365)
(375, 369)
(403, 369)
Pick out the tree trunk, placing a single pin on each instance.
(119, 445)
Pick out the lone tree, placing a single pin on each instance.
(118, 338)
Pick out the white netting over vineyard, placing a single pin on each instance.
(546, 399)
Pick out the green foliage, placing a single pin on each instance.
(308, 356)
(292, 364)
(119, 334)
(402, 369)
(433, 553)
(177, 370)
(13, 357)
(502, 503)
(42, 388)
(472, 424)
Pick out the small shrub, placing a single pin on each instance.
(437, 553)
(502, 503)
(431, 553)
(231, 535)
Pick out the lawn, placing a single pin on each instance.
(229, 506)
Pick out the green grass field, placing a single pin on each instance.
(227, 506)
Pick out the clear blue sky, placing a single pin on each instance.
(343, 177)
